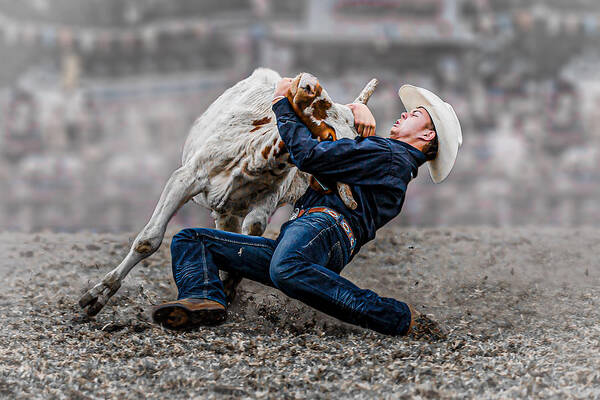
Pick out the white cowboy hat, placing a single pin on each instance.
(446, 125)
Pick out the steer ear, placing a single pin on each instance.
(364, 95)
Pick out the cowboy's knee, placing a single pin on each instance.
(183, 235)
(188, 235)
(284, 272)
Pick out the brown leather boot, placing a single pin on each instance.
(187, 314)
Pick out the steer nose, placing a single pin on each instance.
(308, 88)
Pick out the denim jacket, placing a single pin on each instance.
(376, 169)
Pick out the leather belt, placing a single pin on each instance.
(342, 221)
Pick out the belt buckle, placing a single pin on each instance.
(295, 214)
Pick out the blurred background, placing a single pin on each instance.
(97, 96)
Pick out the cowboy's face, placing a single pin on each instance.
(412, 125)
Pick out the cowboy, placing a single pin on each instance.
(323, 235)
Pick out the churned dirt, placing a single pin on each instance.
(521, 308)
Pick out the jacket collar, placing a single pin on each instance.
(417, 158)
(417, 154)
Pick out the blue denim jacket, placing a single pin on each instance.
(377, 169)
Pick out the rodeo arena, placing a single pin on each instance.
(97, 98)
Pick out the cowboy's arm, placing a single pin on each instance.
(364, 121)
(350, 161)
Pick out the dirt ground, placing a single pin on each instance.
(521, 307)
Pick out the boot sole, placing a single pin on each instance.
(178, 317)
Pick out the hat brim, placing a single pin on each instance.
(446, 124)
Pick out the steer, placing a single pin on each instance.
(235, 164)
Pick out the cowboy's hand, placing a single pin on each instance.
(363, 119)
(282, 88)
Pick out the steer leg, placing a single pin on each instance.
(256, 221)
(183, 184)
(229, 223)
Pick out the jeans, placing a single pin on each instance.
(304, 263)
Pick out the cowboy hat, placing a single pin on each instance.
(446, 126)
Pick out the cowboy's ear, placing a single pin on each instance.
(428, 134)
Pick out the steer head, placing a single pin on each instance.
(324, 118)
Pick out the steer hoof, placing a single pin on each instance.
(94, 299)
(256, 229)
(230, 283)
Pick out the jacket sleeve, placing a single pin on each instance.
(359, 161)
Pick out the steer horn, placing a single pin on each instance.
(366, 93)
(342, 188)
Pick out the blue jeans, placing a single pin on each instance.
(304, 263)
